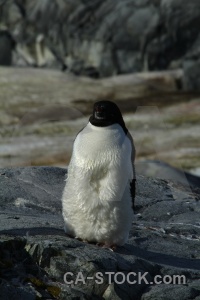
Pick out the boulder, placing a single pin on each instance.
(38, 261)
(162, 170)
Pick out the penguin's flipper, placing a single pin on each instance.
(132, 189)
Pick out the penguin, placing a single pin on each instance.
(98, 198)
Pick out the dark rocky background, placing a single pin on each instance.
(102, 38)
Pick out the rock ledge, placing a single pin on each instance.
(35, 253)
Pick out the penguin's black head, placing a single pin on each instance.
(106, 113)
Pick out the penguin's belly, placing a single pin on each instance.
(89, 219)
(96, 199)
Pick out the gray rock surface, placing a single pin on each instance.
(35, 253)
(162, 170)
(102, 38)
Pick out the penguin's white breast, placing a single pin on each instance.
(100, 145)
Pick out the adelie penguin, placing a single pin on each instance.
(98, 198)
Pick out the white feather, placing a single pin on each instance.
(97, 204)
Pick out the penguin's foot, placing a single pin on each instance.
(102, 245)
(106, 246)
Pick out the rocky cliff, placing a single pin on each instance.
(102, 38)
(35, 254)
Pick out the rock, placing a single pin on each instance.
(27, 190)
(175, 34)
(163, 170)
(165, 292)
(36, 254)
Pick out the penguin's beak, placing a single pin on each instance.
(100, 112)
